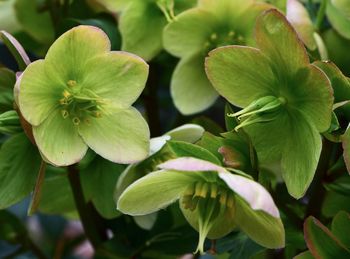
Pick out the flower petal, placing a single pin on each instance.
(187, 34)
(252, 192)
(187, 133)
(313, 95)
(240, 74)
(142, 22)
(68, 55)
(278, 40)
(191, 165)
(117, 76)
(261, 227)
(190, 88)
(154, 191)
(38, 94)
(122, 136)
(58, 140)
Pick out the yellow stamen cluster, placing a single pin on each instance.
(222, 39)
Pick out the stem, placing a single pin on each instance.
(87, 213)
(35, 249)
(151, 101)
(320, 15)
(317, 190)
(37, 190)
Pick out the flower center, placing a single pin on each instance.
(262, 110)
(211, 202)
(223, 39)
(80, 104)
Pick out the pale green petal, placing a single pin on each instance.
(190, 88)
(278, 40)
(187, 133)
(188, 33)
(154, 191)
(301, 152)
(39, 95)
(313, 95)
(261, 227)
(58, 140)
(121, 136)
(117, 76)
(67, 57)
(338, 13)
(240, 74)
(141, 25)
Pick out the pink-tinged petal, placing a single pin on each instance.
(191, 164)
(252, 192)
(16, 50)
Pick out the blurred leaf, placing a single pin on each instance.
(335, 202)
(340, 185)
(208, 124)
(321, 242)
(341, 227)
(8, 21)
(304, 255)
(19, 165)
(99, 180)
(11, 227)
(7, 82)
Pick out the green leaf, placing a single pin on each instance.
(38, 25)
(16, 50)
(346, 147)
(142, 21)
(8, 21)
(155, 191)
(58, 140)
(183, 149)
(19, 165)
(304, 255)
(121, 136)
(229, 68)
(278, 40)
(334, 202)
(341, 227)
(341, 185)
(7, 82)
(98, 181)
(321, 242)
(57, 195)
(119, 76)
(261, 227)
(190, 89)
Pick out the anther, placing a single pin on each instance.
(204, 190)
(223, 197)
(230, 201)
(231, 34)
(63, 101)
(198, 189)
(213, 191)
(66, 94)
(65, 114)
(71, 83)
(76, 121)
(214, 36)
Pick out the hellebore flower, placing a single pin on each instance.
(197, 31)
(142, 22)
(286, 100)
(80, 96)
(213, 200)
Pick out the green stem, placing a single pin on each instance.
(317, 190)
(320, 15)
(88, 216)
(150, 100)
(36, 197)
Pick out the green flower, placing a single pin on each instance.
(80, 96)
(213, 200)
(286, 100)
(142, 22)
(197, 31)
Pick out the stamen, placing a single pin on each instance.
(71, 83)
(213, 191)
(76, 121)
(65, 114)
(223, 197)
(213, 36)
(66, 94)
